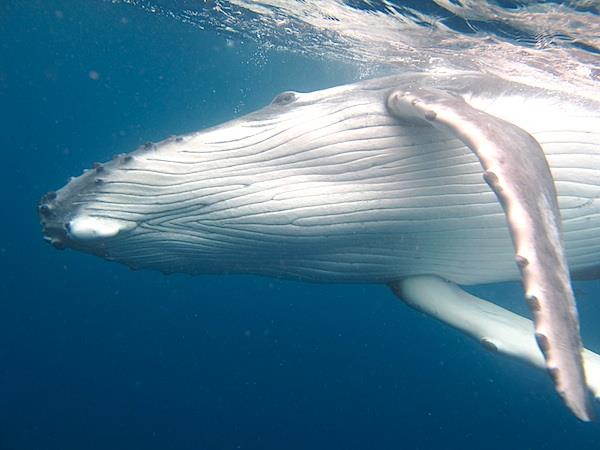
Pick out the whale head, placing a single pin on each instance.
(236, 195)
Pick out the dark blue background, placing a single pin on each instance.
(93, 356)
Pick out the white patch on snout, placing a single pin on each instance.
(87, 227)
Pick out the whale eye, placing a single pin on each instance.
(285, 98)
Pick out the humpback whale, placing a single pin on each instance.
(422, 182)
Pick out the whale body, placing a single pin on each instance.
(343, 185)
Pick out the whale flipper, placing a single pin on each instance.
(516, 169)
(494, 327)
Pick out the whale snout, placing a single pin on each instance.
(53, 228)
(66, 223)
(64, 226)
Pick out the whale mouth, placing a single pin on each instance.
(53, 229)
(68, 223)
(63, 228)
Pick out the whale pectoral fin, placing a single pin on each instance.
(494, 327)
(517, 171)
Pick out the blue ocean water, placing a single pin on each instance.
(95, 356)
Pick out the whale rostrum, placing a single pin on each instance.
(416, 181)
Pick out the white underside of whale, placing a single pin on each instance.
(347, 194)
(412, 181)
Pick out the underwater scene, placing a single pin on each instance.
(230, 288)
